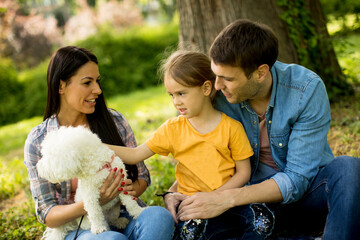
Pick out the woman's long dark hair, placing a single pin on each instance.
(63, 65)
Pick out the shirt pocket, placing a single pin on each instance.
(279, 146)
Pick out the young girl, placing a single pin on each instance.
(211, 149)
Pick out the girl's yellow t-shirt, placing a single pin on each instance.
(204, 161)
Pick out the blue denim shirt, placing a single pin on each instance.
(297, 120)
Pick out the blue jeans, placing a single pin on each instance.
(329, 208)
(153, 223)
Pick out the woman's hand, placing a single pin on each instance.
(128, 188)
(112, 186)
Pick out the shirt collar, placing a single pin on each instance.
(53, 123)
(274, 85)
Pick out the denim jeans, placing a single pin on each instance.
(153, 223)
(330, 208)
(236, 223)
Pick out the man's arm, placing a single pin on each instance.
(206, 205)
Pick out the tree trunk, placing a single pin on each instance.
(299, 25)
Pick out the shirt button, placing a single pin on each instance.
(255, 144)
(254, 122)
(280, 144)
(269, 121)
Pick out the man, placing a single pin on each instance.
(286, 114)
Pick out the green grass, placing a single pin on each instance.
(13, 177)
(145, 110)
(13, 136)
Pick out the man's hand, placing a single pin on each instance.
(172, 200)
(203, 205)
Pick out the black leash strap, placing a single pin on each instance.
(77, 231)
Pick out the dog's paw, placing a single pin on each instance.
(121, 223)
(99, 229)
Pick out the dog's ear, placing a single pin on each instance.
(55, 170)
(60, 159)
(71, 152)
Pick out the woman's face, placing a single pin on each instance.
(80, 94)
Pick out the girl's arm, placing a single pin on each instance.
(241, 176)
(132, 155)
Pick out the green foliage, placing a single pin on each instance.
(348, 53)
(129, 61)
(313, 48)
(35, 91)
(301, 28)
(340, 10)
(162, 171)
(12, 178)
(20, 223)
(10, 92)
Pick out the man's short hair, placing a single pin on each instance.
(245, 44)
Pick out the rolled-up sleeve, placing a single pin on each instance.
(307, 144)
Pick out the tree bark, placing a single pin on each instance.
(302, 41)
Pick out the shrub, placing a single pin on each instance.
(10, 92)
(35, 91)
(129, 61)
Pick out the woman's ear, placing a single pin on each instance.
(207, 87)
(62, 87)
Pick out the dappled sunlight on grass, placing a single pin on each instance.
(344, 134)
(13, 177)
(145, 110)
(13, 136)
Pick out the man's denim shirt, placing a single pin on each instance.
(297, 120)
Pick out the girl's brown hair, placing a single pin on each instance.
(188, 68)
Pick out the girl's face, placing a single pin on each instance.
(189, 101)
(79, 95)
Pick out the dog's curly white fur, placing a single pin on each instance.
(76, 152)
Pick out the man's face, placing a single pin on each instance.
(234, 84)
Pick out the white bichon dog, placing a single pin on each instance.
(76, 152)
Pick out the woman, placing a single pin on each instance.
(75, 98)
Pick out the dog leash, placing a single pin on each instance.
(77, 231)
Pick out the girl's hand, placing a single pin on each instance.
(112, 186)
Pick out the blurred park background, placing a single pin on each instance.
(130, 37)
